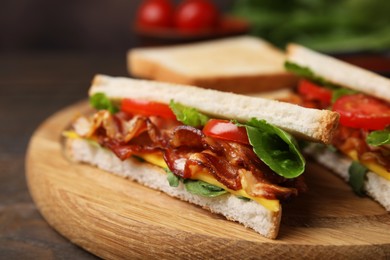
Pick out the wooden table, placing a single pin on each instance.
(32, 87)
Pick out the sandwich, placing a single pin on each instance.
(234, 155)
(360, 149)
(241, 64)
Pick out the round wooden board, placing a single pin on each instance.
(115, 218)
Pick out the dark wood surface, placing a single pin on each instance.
(32, 87)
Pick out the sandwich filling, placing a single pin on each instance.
(220, 156)
(363, 133)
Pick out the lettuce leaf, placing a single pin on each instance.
(203, 188)
(357, 174)
(380, 137)
(188, 115)
(276, 148)
(307, 73)
(338, 93)
(195, 186)
(173, 180)
(100, 101)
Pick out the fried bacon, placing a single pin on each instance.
(347, 139)
(187, 152)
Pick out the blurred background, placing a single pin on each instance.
(107, 25)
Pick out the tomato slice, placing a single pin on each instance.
(314, 92)
(146, 108)
(362, 111)
(226, 130)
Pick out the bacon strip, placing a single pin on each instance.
(187, 152)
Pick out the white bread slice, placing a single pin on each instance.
(248, 213)
(375, 186)
(240, 64)
(339, 72)
(310, 124)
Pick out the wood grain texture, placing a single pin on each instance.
(115, 218)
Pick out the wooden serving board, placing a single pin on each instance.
(115, 218)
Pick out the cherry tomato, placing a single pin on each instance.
(226, 130)
(362, 111)
(196, 15)
(314, 92)
(146, 108)
(155, 13)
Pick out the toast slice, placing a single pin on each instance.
(310, 124)
(241, 64)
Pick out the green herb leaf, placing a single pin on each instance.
(243, 198)
(173, 180)
(357, 173)
(100, 101)
(338, 93)
(188, 115)
(380, 137)
(307, 73)
(203, 188)
(276, 148)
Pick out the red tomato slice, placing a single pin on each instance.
(362, 111)
(226, 130)
(146, 108)
(314, 92)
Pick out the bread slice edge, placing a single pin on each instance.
(248, 213)
(310, 124)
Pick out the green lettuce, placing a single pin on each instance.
(203, 188)
(173, 180)
(380, 137)
(195, 186)
(276, 148)
(100, 101)
(307, 73)
(338, 93)
(357, 174)
(188, 115)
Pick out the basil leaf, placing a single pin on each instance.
(203, 188)
(357, 173)
(307, 73)
(380, 137)
(100, 101)
(243, 198)
(276, 148)
(188, 115)
(338, 93)
(173, 180)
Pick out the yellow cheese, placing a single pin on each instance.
(373, 166)
(272, 205)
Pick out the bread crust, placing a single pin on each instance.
(248, 213)
(310, 124)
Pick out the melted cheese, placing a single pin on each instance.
(371, 165)
(272, 205)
